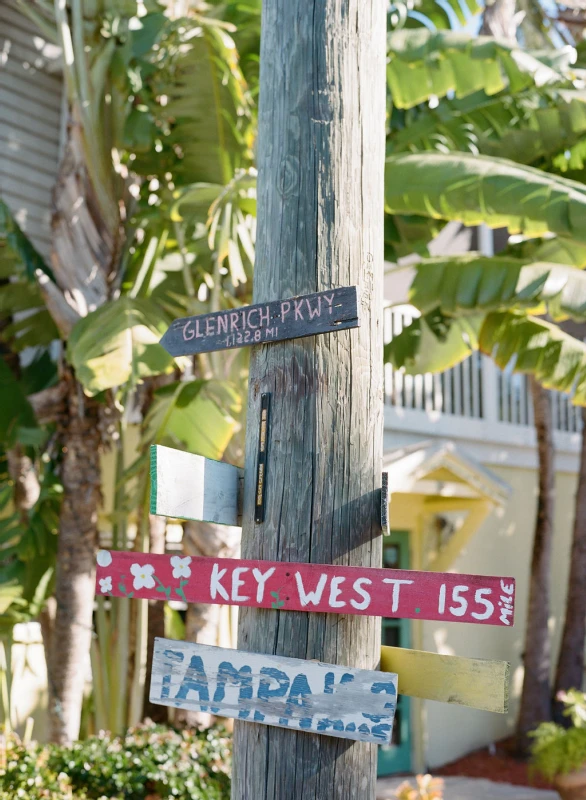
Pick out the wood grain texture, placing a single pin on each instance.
(320, 225)
(288, 693)
(189, 486)
(290, 318)
(406, 594)
(473, 682)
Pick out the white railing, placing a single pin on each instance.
(476, 388)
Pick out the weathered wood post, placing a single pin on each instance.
(320, 226)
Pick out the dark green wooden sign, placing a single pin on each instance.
(309, 315)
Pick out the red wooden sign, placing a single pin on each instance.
(406, 594)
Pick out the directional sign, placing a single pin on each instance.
(189, 486)
(292, 318)
(407, 594)
(273, 690)
(472, 682)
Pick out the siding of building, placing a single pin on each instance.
(30, 123)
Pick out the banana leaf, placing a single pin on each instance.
(479, 189)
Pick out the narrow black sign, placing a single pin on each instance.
(322, 312)
(384, 504)
(261, 469)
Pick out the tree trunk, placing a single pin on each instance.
(27, 490)
(535, 698)
(320, 225)
(156, 621)
(26, 481)
(78, 540)
(570, 667)
(202, 620)
(499, 20)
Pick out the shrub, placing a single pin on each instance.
(557, 750)
(148, 762)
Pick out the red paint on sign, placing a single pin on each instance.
(405, 594)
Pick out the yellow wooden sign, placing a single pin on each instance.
(473, 682)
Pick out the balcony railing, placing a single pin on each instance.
(475, 388)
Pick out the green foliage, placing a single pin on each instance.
(193, 136)
(423, 63)
(212, 125)
(118, 344)
(540, 127)
(532, 345)
(557, 750)
(148, 760)
(199, 416)
(473, 284)
(441, 15)
(27, 550)
(479, 189)
(20, 246)
(575, 702)
(20, 266)
(557, 360)
(431, 344)
(16, 414)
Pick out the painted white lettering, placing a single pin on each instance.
(188, 334)
(210, 326)
(507, 588)
(223, 324)
(233, 320)
(310, 597)
(329, 301)
(198, 335)
(261, 578)
(489, 607)
(270, 332)
(264, 316)
(216, 587)
(314, 312)
(252, 311)
(285, 311)
(396, 589)
(442, 599)
(237, 583)
(335, 592)
(298, 311)
(460, 609)
(357, 586)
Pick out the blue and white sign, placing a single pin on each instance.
(286, 692)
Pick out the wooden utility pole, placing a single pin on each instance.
(320, 226)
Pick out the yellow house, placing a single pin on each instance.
(461, 454)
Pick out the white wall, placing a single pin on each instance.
(30, 123)
(502, 546)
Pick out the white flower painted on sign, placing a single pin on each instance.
(104, 558)
(106, 584)
(181, 568)
(143, 576)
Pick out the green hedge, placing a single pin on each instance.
(148, 763)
